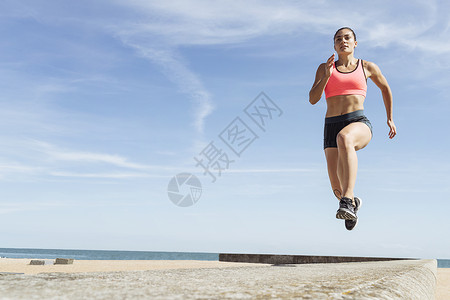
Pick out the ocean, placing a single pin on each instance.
(104, 254)
(122, 255)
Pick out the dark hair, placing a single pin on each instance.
(354, 35)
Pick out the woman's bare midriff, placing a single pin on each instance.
(344, 104)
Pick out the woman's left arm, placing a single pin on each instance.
(374, 73)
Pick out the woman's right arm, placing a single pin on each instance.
(322, 75)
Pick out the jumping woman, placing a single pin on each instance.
(347, 130)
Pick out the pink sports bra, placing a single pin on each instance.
(347, 83)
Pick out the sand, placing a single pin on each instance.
(443, 284)
(10, 265)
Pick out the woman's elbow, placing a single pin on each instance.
(313, 99)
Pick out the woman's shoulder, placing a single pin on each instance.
(368, 64)
(370, 67)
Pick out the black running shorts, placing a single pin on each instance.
(335, 124)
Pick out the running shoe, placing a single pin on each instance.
(350, 224)
(346, 209)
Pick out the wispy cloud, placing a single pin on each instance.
(7, 207)
(40, 159)
(199, 22)
(58, 154)
(165, 27)
(158, 30)
(424, 34)
(277, 170)
(112, 175)
(176, 70)
(7, 169)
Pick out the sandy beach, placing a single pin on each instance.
(443, 284)
(11, 265)
(191, 279)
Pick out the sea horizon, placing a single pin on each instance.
(85, 254)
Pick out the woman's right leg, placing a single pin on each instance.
(332, 157)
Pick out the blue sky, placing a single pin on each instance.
(102, 103)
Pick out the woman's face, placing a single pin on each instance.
(344, 42)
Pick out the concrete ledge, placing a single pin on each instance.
(297, 259)
(396, 279)
(36, 262)
(64, 261)
(40, 262)
(416, 280)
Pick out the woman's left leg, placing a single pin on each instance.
(350, 139)
(332, 156)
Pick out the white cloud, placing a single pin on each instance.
(115, 160)
(45, 159)
(165, 26)
(187, 81)
(293, 170)
(157, 30)
(38, 159)
(115, 175)
(14, 206)
(200, 22)
(54, 153)
(17, 167)
(224, 22)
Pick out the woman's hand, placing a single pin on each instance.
(374, 73)
(322, 75)
(329, 66)
(393, 129)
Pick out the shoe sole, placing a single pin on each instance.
(348, 225)
(344, 214)
(347, 222)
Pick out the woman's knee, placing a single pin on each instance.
(345, 140)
